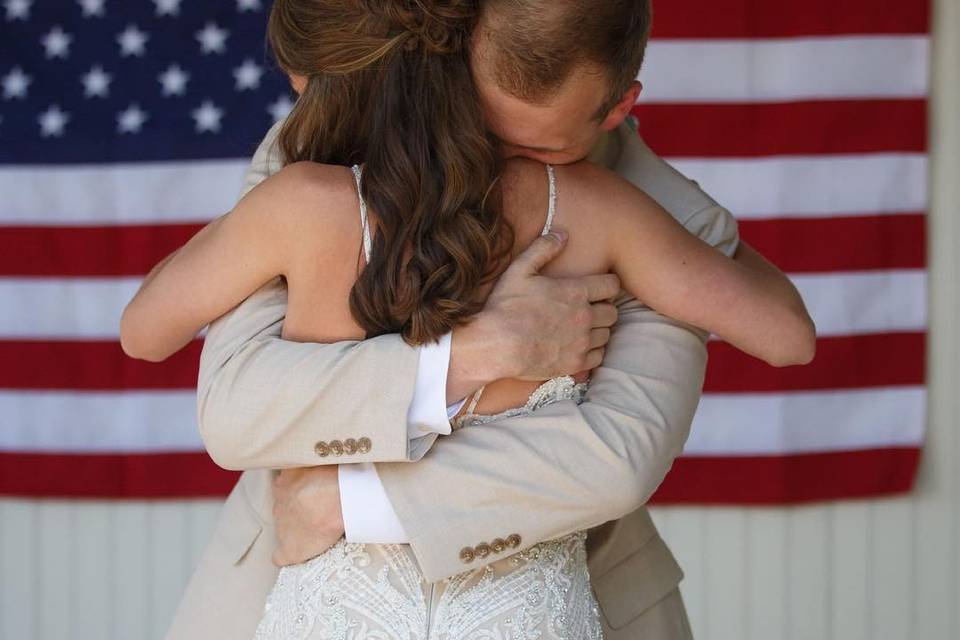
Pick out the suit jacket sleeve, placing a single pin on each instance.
(267, 402)
(568, 467)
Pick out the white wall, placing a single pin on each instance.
(852, 570)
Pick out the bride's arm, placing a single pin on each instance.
(219, 267)
(748, 302)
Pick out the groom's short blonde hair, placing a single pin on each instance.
(535, 45)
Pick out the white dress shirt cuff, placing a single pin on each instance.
(428, 412)
(368, 516)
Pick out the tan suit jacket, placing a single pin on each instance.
(265, 403)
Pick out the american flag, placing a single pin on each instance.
(125, 125)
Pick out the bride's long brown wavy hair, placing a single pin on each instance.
(389, 86)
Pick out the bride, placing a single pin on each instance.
(395, 213)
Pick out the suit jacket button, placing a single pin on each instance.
(498, 545)
(350, 446)
(321, 449)
(482, 550)
(513, 541)
(466, 555)
(364, 445)
(336, 447)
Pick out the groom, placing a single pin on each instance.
(557, 81)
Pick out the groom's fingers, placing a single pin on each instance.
(593, 359)
(281, 558)
(601, 287)
(599, 338)
(602, 315)
(539, 253)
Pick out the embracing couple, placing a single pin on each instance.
(463, 308)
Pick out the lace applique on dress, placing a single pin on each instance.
(553, 390)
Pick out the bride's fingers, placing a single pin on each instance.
(599, 338)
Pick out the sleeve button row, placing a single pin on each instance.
(482, 550)
(338, 448)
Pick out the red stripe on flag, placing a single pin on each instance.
(771, 480)
(857, 243)
(842, 244)
(93, 366)
(163, 475)
(845, 362)
(128, 250)
(749, 19)
(756, 480)
(761, 129)
(878, 360)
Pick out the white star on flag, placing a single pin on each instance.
(247, 75)
(57, 43)
(167, 7)
(96, 83)
(280, 108)
(248, 5)
(174, 81)
(131, 119)
(15, 84)
(17, 10)
(92, 7)
(212, 38)
(207, 117)
(52, 121)
(132, 41)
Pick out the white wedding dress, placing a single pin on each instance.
(376, 591)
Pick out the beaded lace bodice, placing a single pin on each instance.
(377, 592)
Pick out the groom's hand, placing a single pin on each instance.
(306, 508)
(532, 326)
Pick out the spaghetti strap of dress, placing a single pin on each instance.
(552, 203)
(551, 211)
(367, 244)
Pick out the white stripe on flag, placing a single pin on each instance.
(843, 304)
(64, 307)
(811, 186)
(726, 424)
(49, 421)
(765, 424)
(139, 193)
(805, 186)
(840, 304)
(788, 69)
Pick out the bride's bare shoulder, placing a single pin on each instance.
(602, 199)
(306, 205)
(311, 189)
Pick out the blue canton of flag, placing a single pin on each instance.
(93, 81)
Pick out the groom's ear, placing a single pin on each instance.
(621, 110)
